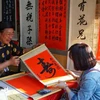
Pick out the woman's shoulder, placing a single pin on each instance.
(93, 74)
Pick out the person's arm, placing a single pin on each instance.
(63, 85)
(12, 61)
(87, 88)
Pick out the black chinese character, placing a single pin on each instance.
(29, 29)
(81, 35)
(29, 40)
(29, 17)
(81, 5)
(29, 5)
(82, 21)
(46, 67)
(61, 1)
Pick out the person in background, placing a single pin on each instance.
(9, 51)
(89, 84)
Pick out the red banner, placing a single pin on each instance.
(98, 49)
(52, 23)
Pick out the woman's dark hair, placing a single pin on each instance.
(82, 56)
(4, 25)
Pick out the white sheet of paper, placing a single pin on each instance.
(3, 95)
(10, 93)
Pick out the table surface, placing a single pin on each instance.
(24, 96)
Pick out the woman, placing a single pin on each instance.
(89, 85)
(9, 51)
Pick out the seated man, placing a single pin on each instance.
(9, 51)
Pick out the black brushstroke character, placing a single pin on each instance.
(46, 67)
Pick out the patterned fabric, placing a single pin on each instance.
(7, 51)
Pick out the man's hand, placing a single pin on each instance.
(14, 61)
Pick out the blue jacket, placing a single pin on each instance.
(89, 85)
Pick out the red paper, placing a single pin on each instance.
(52, 23)
(45, 66)
(26, 84)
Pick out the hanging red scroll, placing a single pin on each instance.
(52, 23)
(98, 49)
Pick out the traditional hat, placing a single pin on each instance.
(4, 25)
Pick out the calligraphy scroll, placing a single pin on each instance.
(81, 21)
(81, 24)
(53, 23)
(9, 14)
(42, 64)
(8, 10)
(27, 23)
